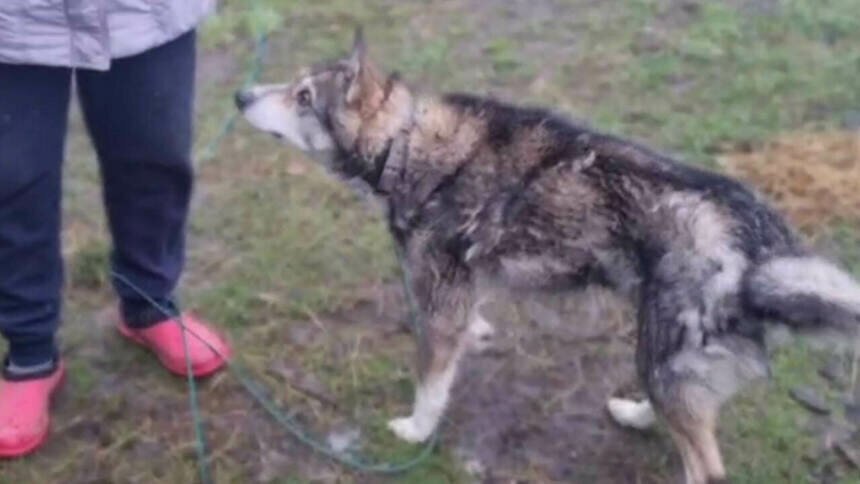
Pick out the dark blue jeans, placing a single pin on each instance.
(139, 116)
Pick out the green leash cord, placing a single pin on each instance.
(260, 44)
(286, 421)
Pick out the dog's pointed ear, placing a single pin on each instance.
(361, 75)
(359, 51)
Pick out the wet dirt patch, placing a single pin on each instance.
(814, 178)
(532, 408)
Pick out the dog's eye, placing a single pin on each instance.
(304, 98)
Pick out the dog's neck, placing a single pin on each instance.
(379, 162)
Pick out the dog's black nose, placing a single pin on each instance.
(243, 98)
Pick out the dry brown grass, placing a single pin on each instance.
(814, 178)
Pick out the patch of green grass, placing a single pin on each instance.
(88, 268)
(239, 20)
(766, 433)
(440, 467)
(306, 242)
(731, 76)
(503, 55)
(430, 58)
(82, 377)
(847, 238)
(291, 480)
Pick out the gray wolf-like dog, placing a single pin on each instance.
(481, 195)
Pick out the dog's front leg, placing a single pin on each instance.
(431, 396)
(445, 336)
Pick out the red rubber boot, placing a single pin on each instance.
(25, 412)
(165, 340)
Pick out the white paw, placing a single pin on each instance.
(630, 413)
(406, 429)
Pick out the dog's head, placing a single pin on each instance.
(336, 111)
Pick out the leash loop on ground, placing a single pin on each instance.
(286, 421)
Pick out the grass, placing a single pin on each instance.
(847, 238)
(732, 77)
(766, 432)
(278, 252)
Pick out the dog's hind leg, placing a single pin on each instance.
(446, 337)
(694, 436)
(692, 422)
(688, 389)
(694, 472)
(693, 354)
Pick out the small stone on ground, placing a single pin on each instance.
(811, 399)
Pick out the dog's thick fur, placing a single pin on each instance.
(482, 194)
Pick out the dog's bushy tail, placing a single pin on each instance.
(806, 293)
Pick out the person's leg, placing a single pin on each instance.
(34, 104)
(139, 114)
(33, 112)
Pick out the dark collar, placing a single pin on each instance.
(391, 163)
(391, 171)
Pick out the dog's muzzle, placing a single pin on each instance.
(243, 98)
